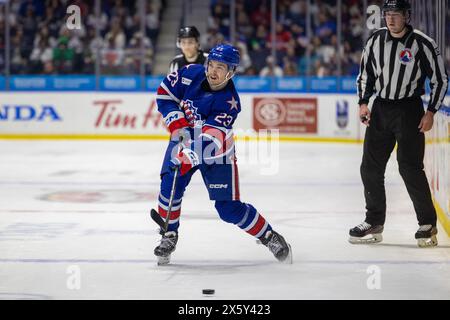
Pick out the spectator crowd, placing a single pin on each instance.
(298, 52)
(304, 47)
(41, 43)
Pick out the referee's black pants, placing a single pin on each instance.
(391, 122)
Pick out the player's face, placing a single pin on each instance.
(189, 46)
(395, 21)
(217, 72)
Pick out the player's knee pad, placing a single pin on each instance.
(232, 211)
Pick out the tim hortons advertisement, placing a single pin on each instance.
(288, 114)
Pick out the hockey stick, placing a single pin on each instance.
(164, 224)
(172, 195)
(157, 218)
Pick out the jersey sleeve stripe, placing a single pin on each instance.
(161, 97)
(163, 85)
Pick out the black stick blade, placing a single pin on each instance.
(157, 218)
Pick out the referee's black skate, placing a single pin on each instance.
(166, 247)
(278, 246)
(365, 233)
(426, 236)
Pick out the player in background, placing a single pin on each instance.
(189, 42)
(200, 104)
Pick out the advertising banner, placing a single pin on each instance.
(289, 115)
(327, 116)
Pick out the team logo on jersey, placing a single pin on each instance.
(193, 109)
(406, 56)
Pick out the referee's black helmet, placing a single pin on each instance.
(188, 32)
(397, 5)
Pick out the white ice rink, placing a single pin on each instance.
(74, 224)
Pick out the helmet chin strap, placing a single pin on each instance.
(219, 86)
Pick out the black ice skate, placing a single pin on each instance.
(426, 236)
(166, 247)
(365, 233)
(278, 246)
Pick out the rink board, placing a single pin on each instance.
(437, 163)
(134, 115)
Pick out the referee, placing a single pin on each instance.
(394, 65)
(189, 42)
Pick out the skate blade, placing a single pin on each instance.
(369, 239)
(162, 261)
(427, 242)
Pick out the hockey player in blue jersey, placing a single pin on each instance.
(200, 104)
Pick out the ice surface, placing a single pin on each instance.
(75, 224)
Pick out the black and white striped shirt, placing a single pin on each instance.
(180, 61)
(397, 68)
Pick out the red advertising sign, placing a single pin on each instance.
(289, 115)
(113, 114)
